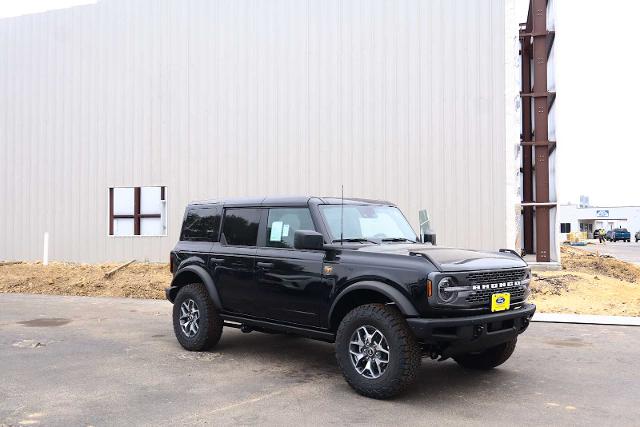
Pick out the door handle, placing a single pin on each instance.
(216, 260)
(264, 264)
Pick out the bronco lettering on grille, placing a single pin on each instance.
(496, 285)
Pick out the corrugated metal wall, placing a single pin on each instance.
(400, 100)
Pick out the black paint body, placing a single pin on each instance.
(308, 291)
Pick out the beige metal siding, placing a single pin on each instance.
(399, 100)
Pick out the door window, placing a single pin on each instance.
(284, 222)
(240, 227)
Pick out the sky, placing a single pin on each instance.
(598, 96)
(598, 101)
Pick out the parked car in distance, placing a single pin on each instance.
(596, 233)
(350, 272)
(637, 236)
(619, 234)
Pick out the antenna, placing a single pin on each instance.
(341, 213)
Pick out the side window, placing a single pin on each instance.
(284, 222)
(240, 227)
(201, 224)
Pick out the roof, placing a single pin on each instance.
(290, 201)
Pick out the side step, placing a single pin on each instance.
(242, 323)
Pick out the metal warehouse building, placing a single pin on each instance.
(114, 115)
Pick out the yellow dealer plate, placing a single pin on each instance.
(500, 302)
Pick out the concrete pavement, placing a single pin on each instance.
(629, 252)
(77, 361)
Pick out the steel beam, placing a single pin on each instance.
(536, 43)
(526, 135)
(541, 125)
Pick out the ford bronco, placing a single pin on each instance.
(350, 272)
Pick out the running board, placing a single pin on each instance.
(296, 330)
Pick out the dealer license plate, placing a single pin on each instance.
(500, 302)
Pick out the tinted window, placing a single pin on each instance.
(240, 227)
(201, 223)
(284, 222)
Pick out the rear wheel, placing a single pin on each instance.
(377, 353)
(196, 322)
(489, 358)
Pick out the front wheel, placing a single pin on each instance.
(489, 358)
(377, 353)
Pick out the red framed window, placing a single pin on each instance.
(137, 211)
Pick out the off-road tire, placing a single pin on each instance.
(404, 358)
(210, 323)
(489, 358)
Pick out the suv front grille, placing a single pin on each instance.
(491, 277)
(517, 293)
(487, 277)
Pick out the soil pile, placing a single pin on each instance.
(137, 280)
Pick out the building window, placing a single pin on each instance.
(565, 227)
(137, 211)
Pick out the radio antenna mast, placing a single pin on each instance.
(341, 214)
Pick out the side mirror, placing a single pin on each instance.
(308, 239)
(429, 237)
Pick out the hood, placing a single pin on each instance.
(452, 259)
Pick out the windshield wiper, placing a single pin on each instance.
(397, 239)
(355, 240)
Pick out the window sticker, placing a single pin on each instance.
(276, 231)
(285, 230)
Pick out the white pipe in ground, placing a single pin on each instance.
(45, 249)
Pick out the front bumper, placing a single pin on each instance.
(459, 335)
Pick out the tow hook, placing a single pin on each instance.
(478, 330)
(246, 328)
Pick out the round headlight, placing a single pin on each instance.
(443, 293)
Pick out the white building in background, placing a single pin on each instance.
(574, 218)
(113, 116)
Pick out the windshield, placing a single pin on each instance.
(366, 222)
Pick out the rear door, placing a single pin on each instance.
(290, 285)
(233, 260)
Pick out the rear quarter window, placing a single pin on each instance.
(201, 224)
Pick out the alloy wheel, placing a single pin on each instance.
(189, 318)
(369, 352)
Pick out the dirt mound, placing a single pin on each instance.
(553, 285)
(580, 260)
(137, 280)
(584, 293)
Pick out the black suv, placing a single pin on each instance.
(350, 272)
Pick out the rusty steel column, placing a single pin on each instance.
(526, 135)
(541, 134)
(536, 42)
